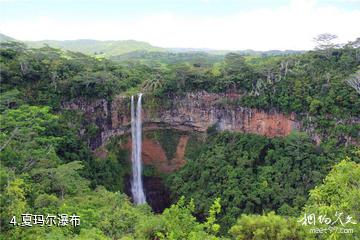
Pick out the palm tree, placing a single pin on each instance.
(153, 83)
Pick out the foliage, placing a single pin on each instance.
(9, 99)
(269, 226)
(339, 196)
(168, 140)
(97, 48)
(160, 58)
(27, 139)
(47, 75)
(252, 174)
(47, 165)
(177, 222)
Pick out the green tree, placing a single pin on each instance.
(269, 226)
(178, 222)
(26, 138)
(64, 179)
(13, 197)
(338, 196)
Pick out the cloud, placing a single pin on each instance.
(291, 26)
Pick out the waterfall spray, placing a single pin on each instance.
(136, 182)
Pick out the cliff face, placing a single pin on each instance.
(154, 154)
(193, 112)
(199, 111)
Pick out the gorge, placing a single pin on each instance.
(195, 113)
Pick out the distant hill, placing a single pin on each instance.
(250, 52)
(94, 47)
(191, 57)
(127, 50)
(247, 52)
(4, 38)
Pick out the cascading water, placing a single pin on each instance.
(136, 182)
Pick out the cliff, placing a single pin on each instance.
(194, 112)
(197, 112)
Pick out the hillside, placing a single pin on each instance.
(4, 38)
(131, 50)
(166, 57)
(94, 47)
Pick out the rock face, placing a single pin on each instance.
(194, 112)
(200, 111)
(153, 154)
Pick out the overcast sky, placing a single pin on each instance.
(215, 24)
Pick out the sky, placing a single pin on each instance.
(212, 24)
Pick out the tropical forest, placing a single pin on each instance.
(125, 140)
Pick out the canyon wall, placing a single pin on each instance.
(194, 112)
(154, 154)
(197, 112)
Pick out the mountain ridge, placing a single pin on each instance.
(116, 48)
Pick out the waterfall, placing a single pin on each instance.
(136, 182)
